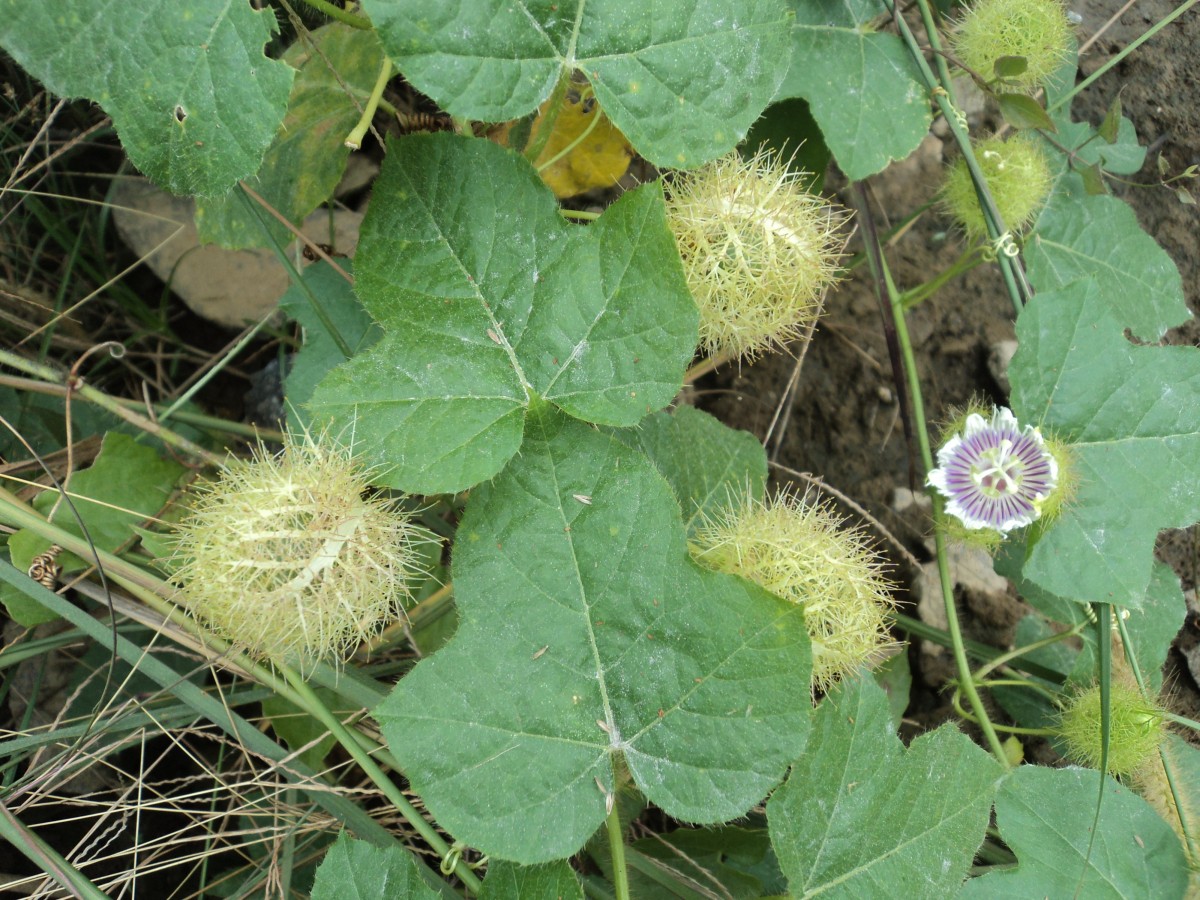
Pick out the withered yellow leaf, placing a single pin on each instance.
(596, 156)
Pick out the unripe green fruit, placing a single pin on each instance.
(800, 552)
(289, 557)
(1037, 31)
(1018, 178)
(758, 251)
(1137, 728)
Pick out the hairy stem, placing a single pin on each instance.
(885, 286)
(616, 847)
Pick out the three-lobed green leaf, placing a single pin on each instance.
(590, 644)
(862, 816)
(489, 300)
(1129, 414)
(191, 94)
(1047, 817)
(682, 79)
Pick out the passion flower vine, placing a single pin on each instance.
(292, 556)
(995, 474)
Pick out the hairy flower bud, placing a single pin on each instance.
(1018, 178)
(758, 251)
(1036, 31)
(800, 552)
(1137, 727)
(290, 557)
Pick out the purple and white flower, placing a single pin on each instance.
(995, 474)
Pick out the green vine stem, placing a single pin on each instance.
(321, 713)
(336, 12)
(1191, 724)
(1004, 658)
(583, 215)
(1177, 791)
(355, 138)
(212, 423)
(211, 372)
(917, 628)
(706, 365)
(1018, 287)
(616, 848)
(935, 44)
(965, 263)
(956, 702)
(583, 136)
(883, 283)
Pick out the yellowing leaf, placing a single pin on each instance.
(596, 156)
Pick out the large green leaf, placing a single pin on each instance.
(508, 881)
(590, 643)
(1130, 414)
(1047, 818)
(189, 90)
(708, 464)
(338, 67)
(356, 870)
(1078, 236)
(682, 79)
(861, 816)
(862, 87)
(489, 299)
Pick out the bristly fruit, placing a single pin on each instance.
(800, 552)
(1018, 178)
(758, 251)
(1037, 31)
(1137, 727)
(290, 557)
